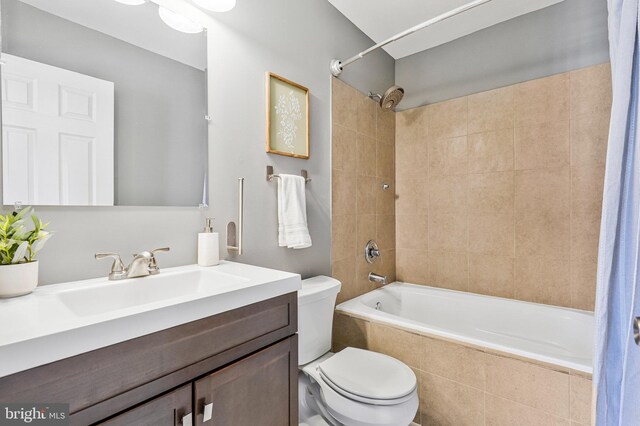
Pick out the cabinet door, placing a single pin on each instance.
(261, 389)
(170, 409)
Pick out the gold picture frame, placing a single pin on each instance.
(287, 105)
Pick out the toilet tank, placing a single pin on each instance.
(316, 302)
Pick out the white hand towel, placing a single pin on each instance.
(292, 213)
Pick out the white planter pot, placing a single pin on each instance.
(18, 279)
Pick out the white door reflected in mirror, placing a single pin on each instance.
(58, 133)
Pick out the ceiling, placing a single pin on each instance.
(381, 19)
(137, 25)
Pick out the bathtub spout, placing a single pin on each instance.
(378, 279)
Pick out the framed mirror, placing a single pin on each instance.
(103, 103)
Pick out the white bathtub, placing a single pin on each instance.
(549, 334)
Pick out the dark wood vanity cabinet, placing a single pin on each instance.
(240, 364)
(253, 391)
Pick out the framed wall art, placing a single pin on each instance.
(287, 117)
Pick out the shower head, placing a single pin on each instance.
(390, 99)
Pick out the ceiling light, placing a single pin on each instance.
(179, 22)
(132, 2)
(216, 5)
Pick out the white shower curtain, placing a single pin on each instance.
(616, 374)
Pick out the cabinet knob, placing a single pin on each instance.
(208, 412)
(187, 419)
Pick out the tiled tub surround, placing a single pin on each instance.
(363, 157)
(461, 384)
(500, 192)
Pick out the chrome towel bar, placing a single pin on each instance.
(271, 176)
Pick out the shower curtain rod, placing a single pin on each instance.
(337, 65)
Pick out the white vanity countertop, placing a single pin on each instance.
(62, 320)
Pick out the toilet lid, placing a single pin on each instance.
(368, 374)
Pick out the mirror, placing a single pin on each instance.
(102, 104)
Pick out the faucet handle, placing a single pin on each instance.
(153, 265)
(117, 268)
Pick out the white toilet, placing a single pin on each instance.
(353, 387)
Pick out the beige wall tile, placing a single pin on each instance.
(542, 146)
(543, 280)
(452, 361)
(344, 193)
(385, 160)
(397, 343)
(344, 104)
(491, 151)
(362, 275)
(366, 155)
(591, 90)
(589, 139)
(386, 265)
(412, 196)
(349, 331)
(491, 110)
(385, 126)
(366, 113)
(543, 212)
(367, 230)
(492, 275)
(492, 233)
(528, 384)
(449, 270)
(345, 271)
(444, 402)
(343, 237)
(587, 184)
(412, 266)
(343, 153)
(580, 400)
(491, 192)
(412, 231)
(447, 156)
(448, 232)
(412, 160)
(411, 126)
(448, 119)
(386, 231)
(385, 199)
(448, 194)
(502, 412)
(583, 283)
(542, 101)
(366, 195)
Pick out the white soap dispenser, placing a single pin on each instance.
(208, 245)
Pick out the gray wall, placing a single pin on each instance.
(295, 39)
(566, 36)
(160, 104)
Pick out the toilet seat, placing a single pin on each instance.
(368, 377)
(344, 408)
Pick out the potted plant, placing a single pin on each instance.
(19, 244)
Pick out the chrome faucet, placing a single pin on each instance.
(377, 279)
(142, 265)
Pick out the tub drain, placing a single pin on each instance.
(378, 306)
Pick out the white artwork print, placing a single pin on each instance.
(289, 113)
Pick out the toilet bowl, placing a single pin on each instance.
(353, 387)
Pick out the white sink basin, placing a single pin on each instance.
(62, 320)
(116, 295)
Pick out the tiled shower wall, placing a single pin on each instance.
(500, 192)
(363, 160)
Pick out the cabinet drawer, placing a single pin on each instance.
(93, 377)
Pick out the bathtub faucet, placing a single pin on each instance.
(378, 279)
